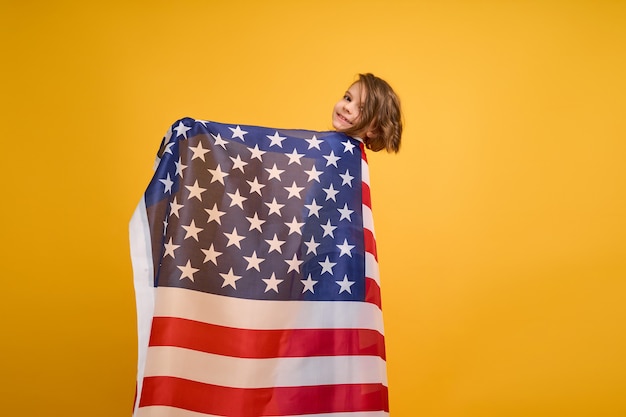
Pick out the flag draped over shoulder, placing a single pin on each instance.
(256, 276)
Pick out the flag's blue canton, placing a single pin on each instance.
(259, 213)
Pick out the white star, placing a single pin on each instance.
(218, 175)
(276, 139)
(294, 190)
(255, 186)
(167, 182)
(345, 248)
(255, 222)
(294, 226)
(272, 283)
(187, 271)
(234, 238)
(314, 142)
(345, 285)
(314, 174)
(253, 261)
(238, 163)
(192, 230)
(345, 212)
(238, 133)
(211, 254)
(347, 178)
(275, 244)
(204, 122)
(314, 209)
(328, 229)
(308, 284)
(181, 130)
(195, 191)
(174, 207)
(348, 147)
(257, 153)
(274, 172)
(168, 148)
(180, 167)
(214, 214)
(332, 159)
(327, 266)
(330, 193)
(294, 157)
(219, 141)
(236, 199)
(230, 279)
(274, 207)
(198, 151)
(170, 248)
(294, 263)
(311, 246)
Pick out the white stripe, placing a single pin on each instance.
(263, 314)
(233, 372)
(371, 268)
(371, 264)
(365, 172)
(157, 161)
(143, 277)
(368, 220)
(164, 411)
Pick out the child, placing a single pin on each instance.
(370, 110)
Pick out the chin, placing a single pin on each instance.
(339, 126)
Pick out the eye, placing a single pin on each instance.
(347, 98)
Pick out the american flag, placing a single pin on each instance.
(256, 276)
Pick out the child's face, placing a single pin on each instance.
(347, 111)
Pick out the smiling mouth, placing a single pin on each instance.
(343, 119)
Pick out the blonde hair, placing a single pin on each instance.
(381, 115)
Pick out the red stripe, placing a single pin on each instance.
(275, 401)
(367, 197)
(372, 292)
(245, 343)
(370, 243)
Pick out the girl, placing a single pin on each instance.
(370, 110)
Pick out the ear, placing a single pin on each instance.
(371, 130)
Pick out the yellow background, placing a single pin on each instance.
(501, 224)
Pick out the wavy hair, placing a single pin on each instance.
(381, 115)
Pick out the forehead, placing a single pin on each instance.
(357, 91)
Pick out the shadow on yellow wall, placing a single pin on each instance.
(500, 224)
